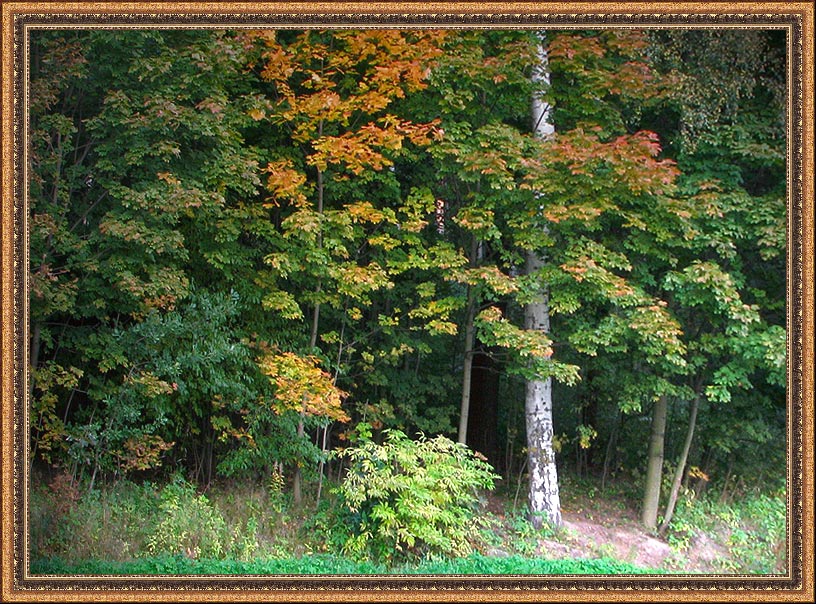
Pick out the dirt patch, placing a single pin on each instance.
(626, 543)
(612, 530)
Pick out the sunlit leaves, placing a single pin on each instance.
(705, 283)
(302, 386)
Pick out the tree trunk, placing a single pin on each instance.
(544, 499)
(467, 367)
(297, 478)
(654, 470)
(34, 356)
(681, 466)
(297, 489)
(610, 449)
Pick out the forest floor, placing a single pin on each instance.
(596, 527)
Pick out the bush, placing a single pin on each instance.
(408, 498)
(191, 526)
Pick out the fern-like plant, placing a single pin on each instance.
(407, 498)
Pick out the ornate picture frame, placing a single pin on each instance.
(797, 19)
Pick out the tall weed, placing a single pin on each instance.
(190, 525)
(110, 523)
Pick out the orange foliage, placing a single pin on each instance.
(302, 386)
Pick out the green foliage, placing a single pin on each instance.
(754, 527)
(406, 497)
(322, 564)
(361, 198)
(190, 525)
(112, 523)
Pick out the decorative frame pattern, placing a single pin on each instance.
(19, 18)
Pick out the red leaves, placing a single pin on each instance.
(609, 63)
(142, 452)
(633, 158)
(574, 47)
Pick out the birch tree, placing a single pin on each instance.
(544, 496)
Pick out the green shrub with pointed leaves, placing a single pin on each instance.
(407, 498)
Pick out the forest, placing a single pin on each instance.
(405, 296)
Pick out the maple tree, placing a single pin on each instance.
(333, 93)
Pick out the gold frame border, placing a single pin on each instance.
(796, 586)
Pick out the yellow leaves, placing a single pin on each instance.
(364, 211)
(696, 472)
(311, 76)
(495, 330)
(585, 436)
(366, 147)
(279, 66)
(284, 303)
(475, 219)
(577, 272)
(356, 281)
(491, 314)
(489, 276)
(659, 330)
(440, 327)
(384, 241)
(401, 59)
(150, 385)
(284, 183)
(168, 178)
(302, 386)
(581, 212)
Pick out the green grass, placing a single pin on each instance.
(324, 564)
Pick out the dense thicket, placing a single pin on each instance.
(243, 244)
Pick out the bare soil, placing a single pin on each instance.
(608, 528)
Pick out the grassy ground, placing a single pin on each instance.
(239, 528)
(327, 564)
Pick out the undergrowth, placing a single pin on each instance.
(753, 528)
(242, 528)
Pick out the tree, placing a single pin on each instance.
(232, 258)
(158, 164)
(543, 494)
(730, 150)
(591, 200)
(332, 92)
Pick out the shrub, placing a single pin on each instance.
(190, 525)
(406, 497)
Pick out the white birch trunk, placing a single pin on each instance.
(544, 498)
